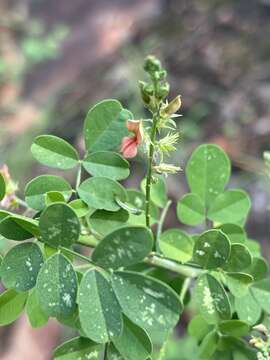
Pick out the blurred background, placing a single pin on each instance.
(57, 58)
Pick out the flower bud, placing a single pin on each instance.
(152, 64)
(163, 91)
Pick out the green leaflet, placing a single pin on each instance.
(198, 327)
(78, 348)
(235, 233)
(177, 245)
(247, 308)
(236, 328)
(208, 171)
(107, 164)
(57, 286)
(17, 227)
(81, 209)
(147, 302)
(211, 249)
(261, 292)
(100, 193)
(191, 210)
(59, 225)
(240, 258)
(99, 310)
(54, 196)
(123, 247)
(212, 299)
(238, 283)
(158, 191)
(36, 315)
(11, 306)
(104, 222)
(104, 126)
(134, 343)
(258, 268)
(230, 207)
(36, 189)
(209, 345)
(55, 152)
(2, 187)
(20, 266)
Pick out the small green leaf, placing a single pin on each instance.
(134, 343)
(254, 247)
(54, 196)
(247, 308)
(100, 193)
(36, 316)
(107, 164)
(191, 210)
(21, 266)
(147, 302)
(158, 191)
(17, 227)
(212, 299)
(212, 249)
(55, 152)
(236, 328)
(78, 348)
(105, 125)
(240, 258)
(36, 189)
(261, 292)
(57, 286)
(100, 313)
(258, 268)
(235, 233)
(2, 187)
(198, 327)
(209, 345)
(81, 209)
(230, 207)
(238, 283)
(59, 225)
(104, 222)
(123, 247)
(208, 171)
(11, 306)
(177, 245)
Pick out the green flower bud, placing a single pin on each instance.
(144, 94)
(163, 90)
(152, 64)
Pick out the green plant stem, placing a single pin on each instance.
(149, 168)
(21, 202)
(88, 240)
(168, 264)
(105, 352)
(161, 222)
(79, 175)
(184, 289)
(85, 258)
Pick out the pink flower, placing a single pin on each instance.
(129, 146)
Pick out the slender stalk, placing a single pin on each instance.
(79, 175)
(75, 253)
(149, 168)
(184, 289)
(161, 222)
(105, 352)
(168, 264)
(21, 202)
